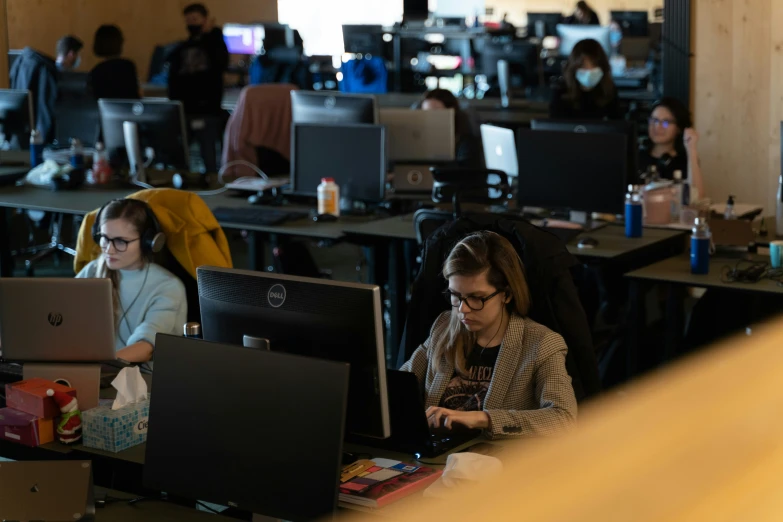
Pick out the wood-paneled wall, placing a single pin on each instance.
(517, 9)
(738, 96)
(144, 23)
(3, 48)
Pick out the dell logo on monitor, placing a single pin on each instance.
(330, 102)
(276, 296)
(137, 109)
(580, 128)
(55, 319)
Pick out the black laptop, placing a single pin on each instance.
(410, 432)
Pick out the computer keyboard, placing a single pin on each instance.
(257, 216)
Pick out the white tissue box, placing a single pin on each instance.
(115, 430)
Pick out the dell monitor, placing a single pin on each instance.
(570, 35)
(244, 39)
(255, 430)
(596, 126)
(633, 23)
(543, 24)
(572, 171)
(16, 118)
(333, 108)
(417, 135)
(310, 317)
(363, 39)
(354, 155)
(161, 128)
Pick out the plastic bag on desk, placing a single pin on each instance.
(42, 175)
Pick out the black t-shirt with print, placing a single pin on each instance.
(467, 392)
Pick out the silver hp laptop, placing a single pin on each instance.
(419, 136)
(500, 149)
(56, 320)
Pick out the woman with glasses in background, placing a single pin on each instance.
(147, 298)
(485, 364)
(672, 145)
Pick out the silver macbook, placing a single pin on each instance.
(417, 135)
(84, 378)
(500, 149)
(56, 320)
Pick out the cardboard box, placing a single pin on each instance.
(115, 430)
(17, 426)
(30, 397)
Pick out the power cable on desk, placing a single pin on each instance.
(751, 272)
(222, 171)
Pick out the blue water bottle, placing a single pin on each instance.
(700, 247)
(36, 148)
(77, 154)
(633, 212)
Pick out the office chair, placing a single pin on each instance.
(52, 248)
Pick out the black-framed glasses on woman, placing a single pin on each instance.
(474, 303)
(663, 123)
(120, 244)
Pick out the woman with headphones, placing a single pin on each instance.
(672, 145)
(148, 299)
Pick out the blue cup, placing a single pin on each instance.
(775, 253)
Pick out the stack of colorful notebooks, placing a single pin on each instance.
(383, 481)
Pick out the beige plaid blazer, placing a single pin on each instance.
(530, 392)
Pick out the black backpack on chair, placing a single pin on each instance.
(550, 271)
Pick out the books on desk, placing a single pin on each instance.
(386, 482)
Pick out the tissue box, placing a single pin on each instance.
(21, 427)
(115, 430)
(30, 397)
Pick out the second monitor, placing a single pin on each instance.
(333, 108)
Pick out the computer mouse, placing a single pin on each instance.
(587, 242)
(324, 218)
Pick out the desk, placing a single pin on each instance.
(149, 510)
(675, 273)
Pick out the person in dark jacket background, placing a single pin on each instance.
(39, 74)
(587, 91)
(114, 77)
(467, 148)
(196, 67)
(583, 15)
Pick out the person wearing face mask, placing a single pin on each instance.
(486, 365)
(583, 15)
(587, 91)
(672, 144)
(39, 74)
(196, 67)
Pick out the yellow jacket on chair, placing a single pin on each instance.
(193, 235)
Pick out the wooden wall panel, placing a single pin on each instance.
(518, 9)
(145, 23)
(738, 97)
(3, 48)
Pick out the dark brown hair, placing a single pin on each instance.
(108, 41)
(476, 254)
(195, 8)
(605, 91)
(461, 122)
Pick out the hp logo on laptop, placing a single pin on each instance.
(330, 102)
(55, 319)
(137, 109)
(276, 296)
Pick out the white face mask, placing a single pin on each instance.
(589, 78)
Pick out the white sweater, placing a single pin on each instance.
(157, 305)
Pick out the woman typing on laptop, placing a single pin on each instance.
(148, 299)
(485, 365)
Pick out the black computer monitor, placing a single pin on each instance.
(311, 317)
(354, 155)
(258, 431)
(16, 117)
(161, 127)
(521, 56)
(244, 39)
(573, 171)
(363, 39)
(619, 126)
(333, 108)
(633, 23)
(543, 24)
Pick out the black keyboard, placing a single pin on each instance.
(257, 216)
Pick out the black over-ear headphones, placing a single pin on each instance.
(152, 237)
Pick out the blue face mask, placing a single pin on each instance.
(615, 37)
(589, 78)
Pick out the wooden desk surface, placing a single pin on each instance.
(677, 270)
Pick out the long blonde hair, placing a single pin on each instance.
(135, 212)
(478, 253)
